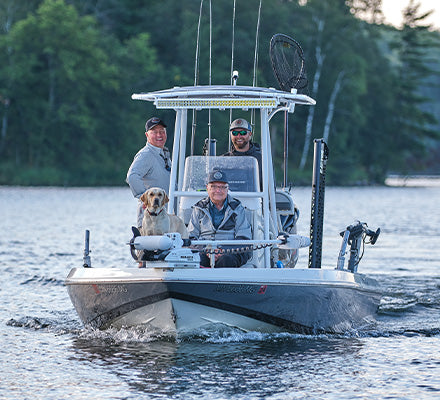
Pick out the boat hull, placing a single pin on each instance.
(183, 300)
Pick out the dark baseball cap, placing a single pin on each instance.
(152, 122)
(217, 176)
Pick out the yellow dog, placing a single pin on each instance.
(156, 220)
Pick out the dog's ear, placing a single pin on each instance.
(165, 198)
(144, 197)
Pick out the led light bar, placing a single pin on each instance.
(215, 103)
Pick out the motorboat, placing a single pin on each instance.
(173, 295)
(270, 293)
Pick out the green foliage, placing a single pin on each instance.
(70, 67)
(55, 83)
(413, 122)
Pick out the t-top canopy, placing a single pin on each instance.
(222, 97)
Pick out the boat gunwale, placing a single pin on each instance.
(234, 280)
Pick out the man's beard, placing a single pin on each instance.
(241, 145)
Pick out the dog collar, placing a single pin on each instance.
(153, 213)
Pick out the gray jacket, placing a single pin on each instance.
(234, 224)
(148, 170)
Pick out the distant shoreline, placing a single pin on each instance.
(413, 180)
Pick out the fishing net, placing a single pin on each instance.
(287, 59)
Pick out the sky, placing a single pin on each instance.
(392, 10)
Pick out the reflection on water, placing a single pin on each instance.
(251, 363)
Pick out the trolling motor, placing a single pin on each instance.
(355, 235)
(167, 247)
(174, 252)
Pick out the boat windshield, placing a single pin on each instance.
(241, 172)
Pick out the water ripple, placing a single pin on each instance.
(43, 281)
(30, 322)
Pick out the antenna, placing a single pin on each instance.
(234, 74)
(210, 58)
(196, 65)
(232, 46)
(196, 77)
(254, 80)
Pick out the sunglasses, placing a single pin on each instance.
(242, 133)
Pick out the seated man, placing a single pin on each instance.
(220, 217)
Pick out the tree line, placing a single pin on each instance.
(69, 68)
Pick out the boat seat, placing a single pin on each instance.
(284, 201)
(287, 212)
(185, 206)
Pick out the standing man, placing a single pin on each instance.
(242, 145)
(151, 166)
(220, 217)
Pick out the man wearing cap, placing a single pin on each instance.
(151, 166)
(242, 145)
(220, 217)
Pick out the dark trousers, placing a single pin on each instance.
(229, 260)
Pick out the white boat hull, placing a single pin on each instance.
(185, 300)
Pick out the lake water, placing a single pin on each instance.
(45, 352)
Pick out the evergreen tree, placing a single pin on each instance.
(66, 116)
(414, 124)
(55, 85)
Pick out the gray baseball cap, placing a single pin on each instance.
(240, 123)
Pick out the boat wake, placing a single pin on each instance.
(62, 325)
(58, 325)
(232, 335)
(219, 335)
(29, 322)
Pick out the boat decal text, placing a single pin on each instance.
(110, 289)
(250, 289)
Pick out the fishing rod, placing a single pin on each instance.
(210, 66)
(234, 74)
(196, 79)
(254, 79)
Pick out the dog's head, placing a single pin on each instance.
(154, 199)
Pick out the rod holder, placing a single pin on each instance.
(87, 262)
(210, 147)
